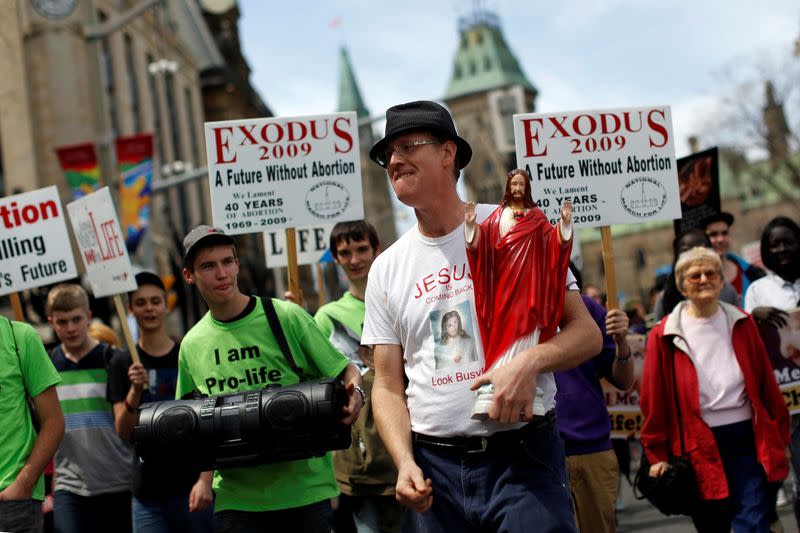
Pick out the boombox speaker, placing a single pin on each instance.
(252, 427)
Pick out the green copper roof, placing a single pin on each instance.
(349, 94)
(483, 60)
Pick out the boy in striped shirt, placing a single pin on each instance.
(93, 466)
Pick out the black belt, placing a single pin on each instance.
(500, 439)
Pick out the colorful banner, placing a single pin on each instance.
(80, 166)
(698, 182)
(135, 157)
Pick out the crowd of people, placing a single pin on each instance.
(541, 456)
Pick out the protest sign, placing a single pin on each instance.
(102, 246)
(623, 406)
(273, 173)
(312, 246)
(783, 348)
(616, 166)
(698, 182)
(34, 243)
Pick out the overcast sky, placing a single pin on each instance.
(580, 54)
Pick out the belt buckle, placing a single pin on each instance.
(484, 445)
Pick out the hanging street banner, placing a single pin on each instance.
(80, 166)
(135, 156)
(273, 173)
(102, 247)
(34, 243)
(616, 166)
(312, 246)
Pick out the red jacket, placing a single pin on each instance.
(660, 429)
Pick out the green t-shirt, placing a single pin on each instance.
(223, 357)
(31, 372)
(342, 321)
(366, 468)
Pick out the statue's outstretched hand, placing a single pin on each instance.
(469, 214)
(566, 212)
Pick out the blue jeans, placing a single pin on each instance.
(515, 487)
(170, 515)
(21, 516)
(751, 499)
(92, 514)
(314, 518)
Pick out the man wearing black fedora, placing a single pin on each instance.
(737, 272)
(460, 474)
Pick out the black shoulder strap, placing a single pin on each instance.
(277, 331)
(19, 357)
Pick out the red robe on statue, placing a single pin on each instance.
(519, 281)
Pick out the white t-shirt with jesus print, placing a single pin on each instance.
(420, 296)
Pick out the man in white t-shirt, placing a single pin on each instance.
(460, 474)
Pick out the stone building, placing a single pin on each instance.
(487, 87)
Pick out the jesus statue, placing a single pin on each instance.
(519, 265)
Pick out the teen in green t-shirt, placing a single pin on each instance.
(233, 349)
(365, 472)
(25, 371)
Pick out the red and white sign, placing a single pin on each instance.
(616, 166)
(267, 174)
(101, 243)
(34, 244)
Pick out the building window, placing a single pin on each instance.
(107, 73)
(133, 84)
(172, 109)
(151, 82)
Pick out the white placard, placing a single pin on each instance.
(273, 173)
(312, 245)
(617, 166)
(34, 243)
(102, 247)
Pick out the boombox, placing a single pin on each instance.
(251, 427)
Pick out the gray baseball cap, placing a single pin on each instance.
(201, 237)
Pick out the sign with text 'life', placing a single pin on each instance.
(312, 246)
(102, 244)
(34, 243)
(616, 166)
(274, 173)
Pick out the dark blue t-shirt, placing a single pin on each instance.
(152, 481)
(580, 405)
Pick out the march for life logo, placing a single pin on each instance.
(34, 244)
(102, 245)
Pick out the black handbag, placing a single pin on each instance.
(676, 490)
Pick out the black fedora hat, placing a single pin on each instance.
(421, 115)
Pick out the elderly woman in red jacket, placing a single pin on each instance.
(733, 417)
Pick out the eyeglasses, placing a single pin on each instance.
(694, 279)
(402, 149)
